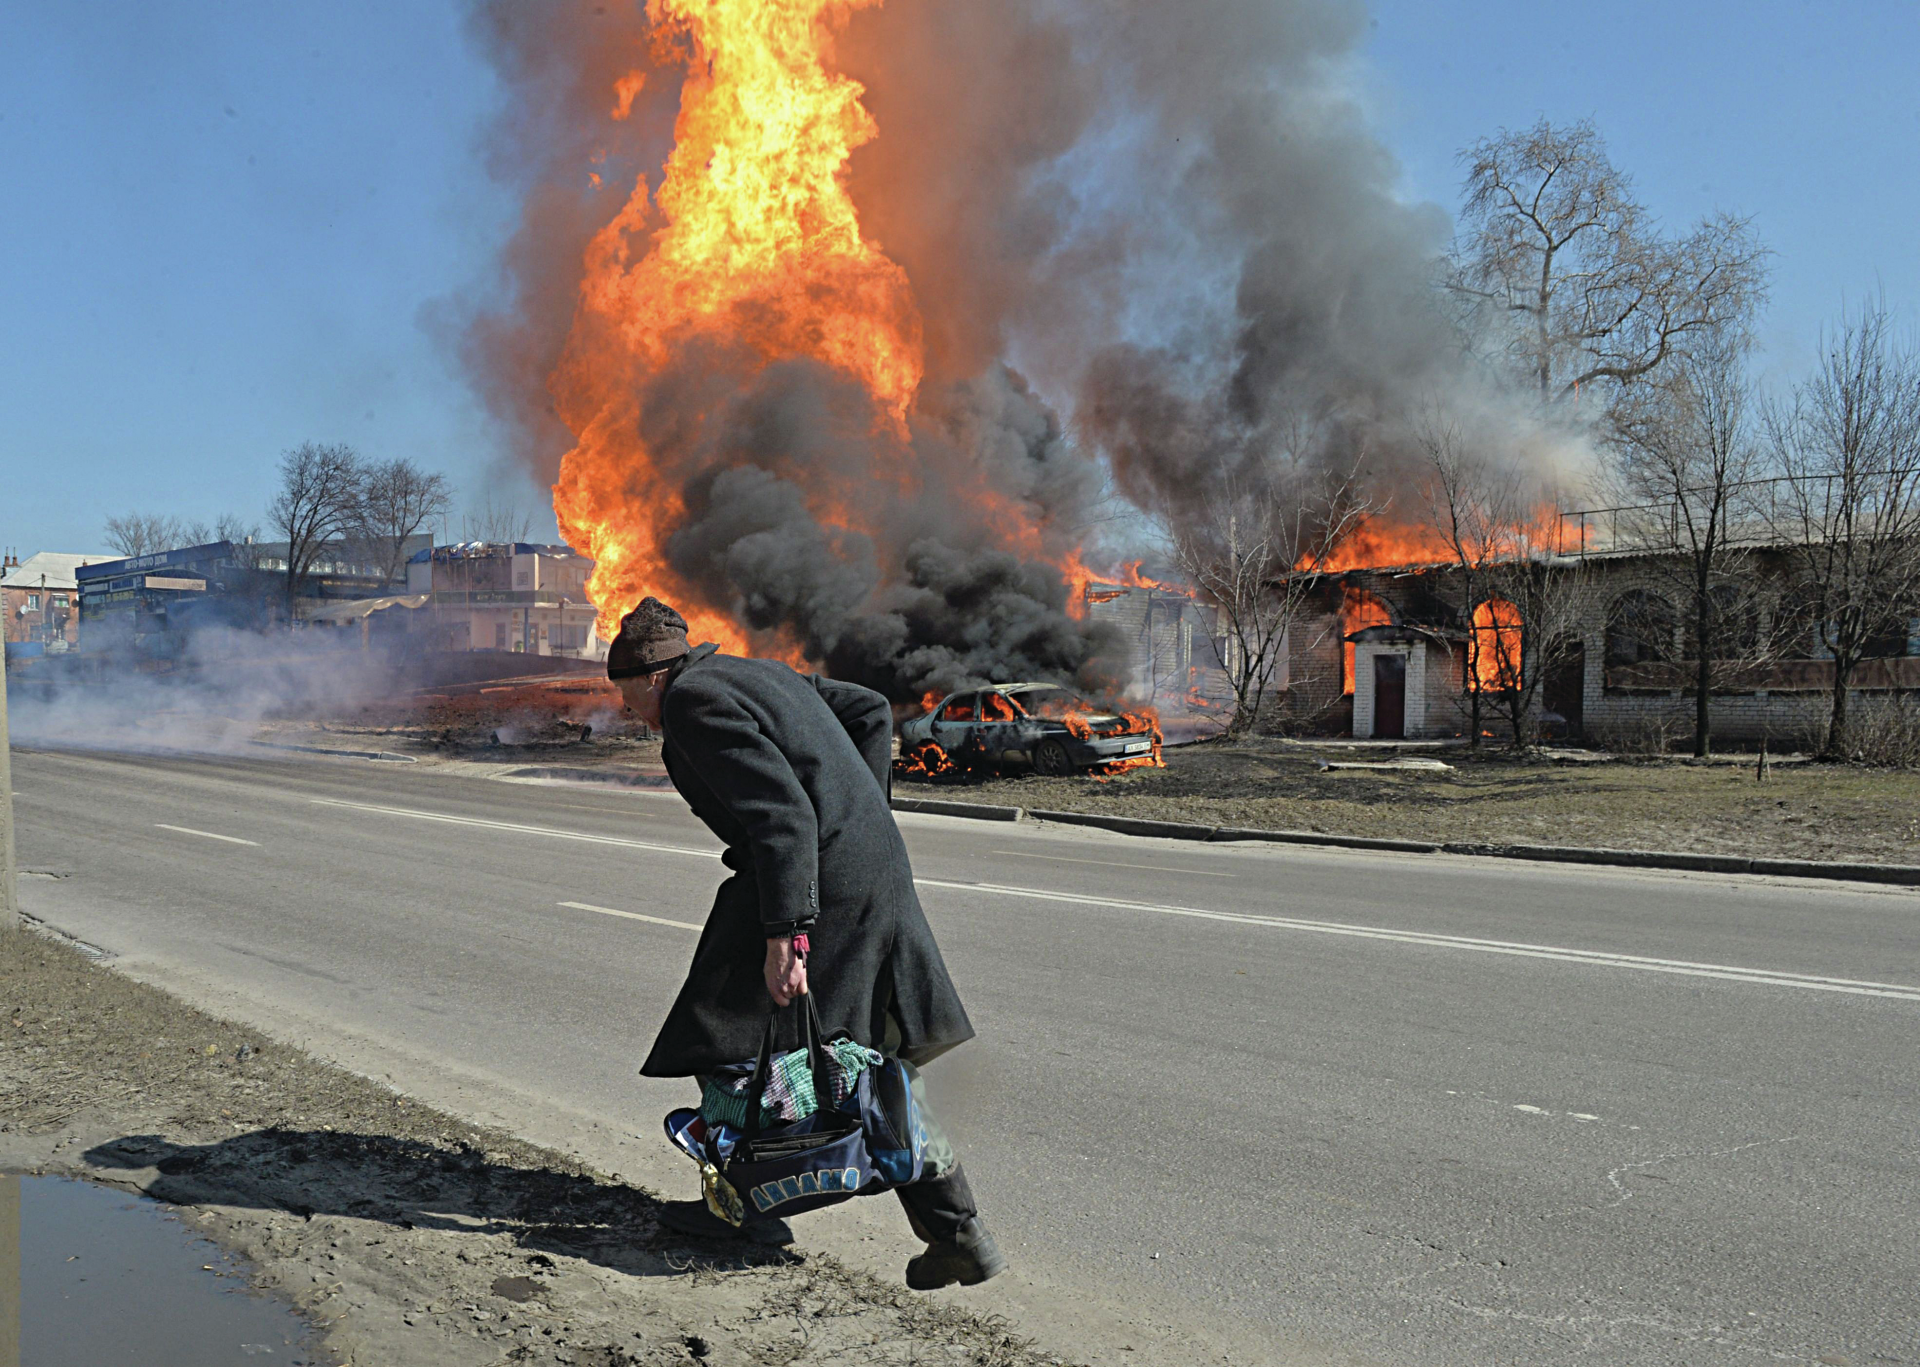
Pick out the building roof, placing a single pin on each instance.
(481, 550)
(55, 567)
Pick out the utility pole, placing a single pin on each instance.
(9, 884)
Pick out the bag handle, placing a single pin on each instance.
(813, 1040)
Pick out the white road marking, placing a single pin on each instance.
(1599, 958)
(188, 830)
(633, 916)
(517, 828)
(1729, 972)
(1113, 864)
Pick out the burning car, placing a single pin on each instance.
(1042, 724)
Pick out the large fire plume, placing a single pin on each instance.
(749, 263)
(757, 242)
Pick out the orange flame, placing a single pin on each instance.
(752, 245)
(994, 707)
(925, 761)
(1379, 544)
(751, 238)
(1496, 645)
(1358, 610)
(1130, 576)
(624, 90)
(1146, 721)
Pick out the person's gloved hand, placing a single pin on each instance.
(786, 971)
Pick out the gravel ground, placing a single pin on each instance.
(1803, 811)
(409, 1237)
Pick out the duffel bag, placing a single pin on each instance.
(768, 1172)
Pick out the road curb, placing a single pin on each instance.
(1128, 825)
(1900, 875)
(978, 811)
(1344, 842)
(624, 778)
(387, 756)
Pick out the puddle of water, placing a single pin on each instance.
(107, 1279)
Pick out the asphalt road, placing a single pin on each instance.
(1267, 1103)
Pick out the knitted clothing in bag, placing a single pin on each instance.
(790, 1094)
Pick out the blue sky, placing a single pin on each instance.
(227, 226)
(1805, 116)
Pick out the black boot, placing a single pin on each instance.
(693, 1219)
(969, 1257)
(959, 1247)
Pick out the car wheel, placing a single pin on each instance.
(1050, 759)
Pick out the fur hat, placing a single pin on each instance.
(651, 638)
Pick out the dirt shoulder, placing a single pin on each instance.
(1803, 811)
(409, 1237)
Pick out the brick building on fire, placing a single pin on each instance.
(1384, 653)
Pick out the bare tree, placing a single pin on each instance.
(144, 533)
(1556, 247)
(496, 522)
(1476, 510)
(1849, 444)
(1688, 457)
(319, 493)
(397, 498)
(1517, 601)
(1255, 555)
(242, 535)
(1525, 631)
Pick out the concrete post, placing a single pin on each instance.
(9, 883)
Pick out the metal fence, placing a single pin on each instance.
(1780, 510)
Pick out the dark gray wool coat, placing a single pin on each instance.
(793, 773)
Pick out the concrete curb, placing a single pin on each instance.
(1345, 842)
(624, 778)
(933, 806)
(387, 756)
(1903, 875)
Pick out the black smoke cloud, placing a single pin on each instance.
(904, 585)
(1173, 218)
(1180, 222)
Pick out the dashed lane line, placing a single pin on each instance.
(210, 835)
(633, 916)
(516, 827)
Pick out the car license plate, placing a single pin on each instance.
(1138, 747)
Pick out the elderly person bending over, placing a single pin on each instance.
(792, 772)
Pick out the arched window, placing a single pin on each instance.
(1639, 629)
(1359, 610)
(1734, 629)
(1796, 623)
(1496, 646)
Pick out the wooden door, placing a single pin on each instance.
(1390, 697)
(1564, 690)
